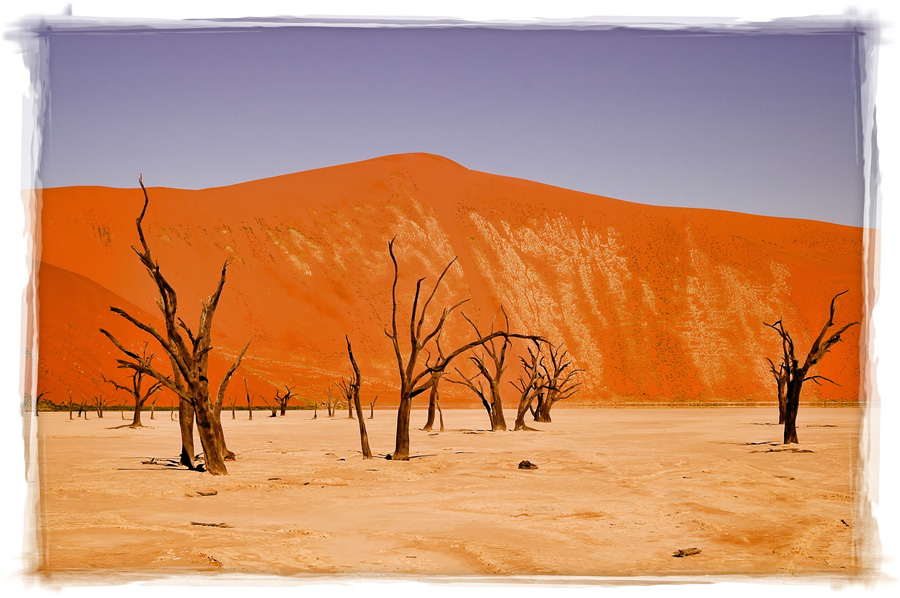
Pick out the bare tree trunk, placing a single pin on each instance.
(372, 408)
(542, 411)
(152, 411)
(782, 400)
(792, 405)
(315, 410)
(498, 422)
(401, 445)
(249, 400)
(524, 407)
(186, 422)
(432, 408)
(355, 385)
(70, 404)
(213, 448)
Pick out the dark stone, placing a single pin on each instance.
(527, 465)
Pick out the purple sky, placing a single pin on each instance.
(758, 123)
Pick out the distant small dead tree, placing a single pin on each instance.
(798, 374)
(70, 405)
(249, 400)
(559, 381)
(100, 403)
(417, 377)
(189, 358)
(281, 400)
(233, 414)
(530, 384)
(273, 407)
(345, 386)
(372, 407)
(136, 390)
(330, 403)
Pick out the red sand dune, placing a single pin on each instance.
(655, 304)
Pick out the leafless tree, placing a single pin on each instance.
(345, 386)
(138, 394)
(330, 403)
(189, 358)
(354, 384)
(100, 403)
(153, 407)
(281, 400)
(372, 407)
(530, 384)
(417, 377)
(233, 414)
(434, 396)
(273, 407)
(559, 381)
(485, 383)
(797, 374)
(70, 405)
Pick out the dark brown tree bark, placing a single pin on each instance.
(70, 404)
(188, 354)
(798, 374)
(249, 400)
(530, 384)
(417, 377)
(329, 405)
(434, 397)
(281, 400)
(355, 383)
(559, 381)
(372, 407)
(489, 370)
(781, 381)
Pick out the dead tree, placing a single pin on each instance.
(135, 389)
(153, 407)
(249, 400)
(70, 405)
(100, 404)
(273, 407)
(530, 384)
(434, 397)
(81, 408)
(189, 357)
(329, 404)
(781, 379)
(372, 407)
(559, 383)
(489, 371)
(233, 414)
(798, 374)
(354, 384)
(281, 400)
(345, 386)
(417, 377)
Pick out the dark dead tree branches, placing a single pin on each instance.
(796, 374)
(188, 354)
(417, 375)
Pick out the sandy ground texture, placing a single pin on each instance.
(616, 493)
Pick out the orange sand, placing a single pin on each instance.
(616, 493)
(656, 304)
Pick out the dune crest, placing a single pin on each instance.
(656, 304)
